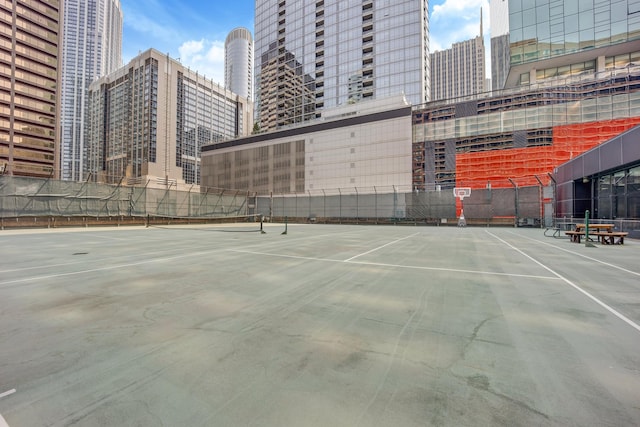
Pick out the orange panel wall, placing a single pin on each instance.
(521, 164)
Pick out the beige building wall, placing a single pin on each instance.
(364, 145)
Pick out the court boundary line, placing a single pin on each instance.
(635, 273)
(3, 422)
(380, 247)
(569, 282)
(411, 267)
(7, 393)
(107, 268)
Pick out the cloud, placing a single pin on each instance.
(455, 21)
(141, 23)
(204, 56)
(465, 9)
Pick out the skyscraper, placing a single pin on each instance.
(238, 62)
(500, 53)
(572, 84)
(460, 70)
(314, 54)
(148, 120)
(563, 38)
(91, 48)
(29, 87)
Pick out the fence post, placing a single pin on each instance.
(357, 205)
(375, 191)
(516, 201)
(324, 204)
(395, 204)
(340, 204)
(541, 200)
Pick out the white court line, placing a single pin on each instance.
(569, 282)
(412, 267)
(113, 267)
(380, 247)
(306, 258)
(3, 422)
(63, 264)
(579, 254)
(7, 393)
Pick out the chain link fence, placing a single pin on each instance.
(28, 201)
(23, 198)
(512, 206)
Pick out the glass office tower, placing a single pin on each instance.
(500, 53)
(91, 48)
(29, 87)
(238, 62)
(314, 54)
(562, 38)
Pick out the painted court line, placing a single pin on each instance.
(412, 267)
(578, 288)
(380, 247)
(112, 267)
(3, 422)
(7, 393)
(579, 254)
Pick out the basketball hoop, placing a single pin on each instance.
(461, 193)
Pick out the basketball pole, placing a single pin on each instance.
(461, 221)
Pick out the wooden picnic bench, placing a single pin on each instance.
(609, 237)
(603, 232)
(595, 227)
(575, 236)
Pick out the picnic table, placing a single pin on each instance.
(595, 227)
(604, 232)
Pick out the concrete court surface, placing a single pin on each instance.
(324, 326)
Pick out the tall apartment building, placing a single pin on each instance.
(552, 39)
(500, 48)
(460, 70)
(238, 62)
(316, 54)
(91, 47)
(148, 120)
(29, 82)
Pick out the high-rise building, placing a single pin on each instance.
(238, 62)
(29, 82)
(561, 38)
(91, 48)
(460, 70)
(312, 55)
(500, 53)
(148, 120)
(572, 85)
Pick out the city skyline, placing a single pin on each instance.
(195, 30)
